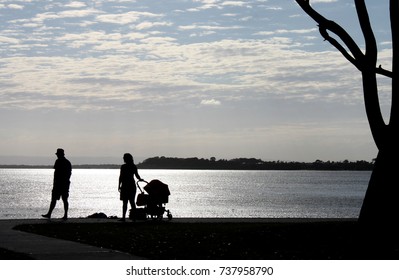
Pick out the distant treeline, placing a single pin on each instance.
(74, 166)
(249, 164)
(223, 164)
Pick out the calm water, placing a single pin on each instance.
(25, 193)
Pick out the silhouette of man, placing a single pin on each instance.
(62, 174)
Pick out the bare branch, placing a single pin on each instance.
(356, 56)
(326, 24)
(383, 72)
(338, 46)
(371, 44)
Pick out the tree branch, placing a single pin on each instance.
(326, 24)
(368, 34)
(356, 56)
(349, 57)
(338, 46)
(383, 72)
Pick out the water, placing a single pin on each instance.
(26, 193)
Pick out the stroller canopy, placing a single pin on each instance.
(157, 188)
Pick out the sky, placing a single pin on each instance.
(182, 78)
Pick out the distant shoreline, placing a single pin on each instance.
(213, 164)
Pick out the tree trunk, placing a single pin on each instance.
(380, 204)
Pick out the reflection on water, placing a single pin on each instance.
(25, 193)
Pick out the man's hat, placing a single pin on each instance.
(60, 152)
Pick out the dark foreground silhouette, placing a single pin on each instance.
(127, 184)
(235, 240)
(10, 255)
(61, 183)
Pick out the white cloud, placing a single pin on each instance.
(77, 13)
(287, 31)
(229, 69)
(125, 18)
(75, 4)
(210, 102)
(324, 1)
(42, 17)
(8, 40)
(205, 5)
(208, 27)
(148, 25)
(234, 3)
(15, 6)
(274, 8)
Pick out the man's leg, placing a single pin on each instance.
(66, 206)
(52, 206)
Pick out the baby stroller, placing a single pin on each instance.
(154, 200)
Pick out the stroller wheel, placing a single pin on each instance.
(170, 217)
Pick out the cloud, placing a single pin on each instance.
(75, 4)
(125, 18)
(77, 13)
(46, 16)
(210, 102)
(205, 5)
(324, 1)
(287, 31)
(274, 8)
(148, 25)
(207, 27)
(8, 40)
(161, 69)
(234, 3)
(15, 6)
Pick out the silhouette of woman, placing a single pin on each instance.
(127, 185)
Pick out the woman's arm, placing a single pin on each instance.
(120, 181)
(136, 172)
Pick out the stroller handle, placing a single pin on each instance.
(138, 185)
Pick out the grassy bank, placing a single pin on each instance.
(258, 240)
